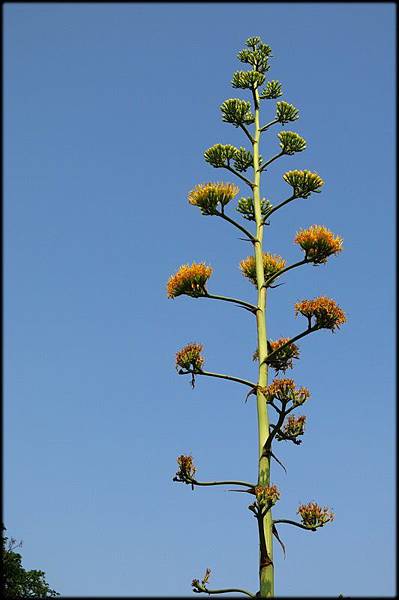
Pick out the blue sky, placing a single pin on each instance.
(108, 109)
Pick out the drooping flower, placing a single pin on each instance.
(186, 470)
(327, 313)
(318, 243)
(207, 196)
(285, 390)
(282, 360)
(190, 358)
(303, 182)
(189, 280)
(272, 263)
(293, 427)
(313, 515)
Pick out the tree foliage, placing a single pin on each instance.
(17, 582)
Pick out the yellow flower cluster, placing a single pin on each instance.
(208, 195)
(303, 182)
(190, 357)
(285, 390)
(268, 493)
(189, 280)
(272, 263)
(282, 360)
(326, 311)
(319, 243)
(186, 467)
(314, 515)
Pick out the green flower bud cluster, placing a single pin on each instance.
(258, 54)
(271, 91)
(247, 79)
(286, 112)
(246, 208)
(237, 112)
(220, 155)
(291, 142)
(243, 159)
(303, 182)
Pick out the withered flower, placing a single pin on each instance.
(186, 469)
(314, 515)
(282, 360)
(190, 357)
(285, 390)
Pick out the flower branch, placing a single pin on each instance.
(245, 130)
(265, 127)
(249, 235)
(272, 210)
(250, 307)
(294, 523)
(289, 342)
(273, 277)
(266, 164)
(217, 375)
(247, 181)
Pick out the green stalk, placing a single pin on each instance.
(266, 570)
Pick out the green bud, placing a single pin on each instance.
(237, 112)
(219, 155)
(247, 79)
(291, 142)
(286, 112)
(271, 91)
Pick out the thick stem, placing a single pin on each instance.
(266, 571)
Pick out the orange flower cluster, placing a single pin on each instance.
(282, 360)
(267, 493)
(189, 280)
(186, 467)
(272, 263)
(326, 311)
(319, 243)
(208, 195)
(303, 182)
(285, 391)
(293, 427)
(314, 515)
(190, 357)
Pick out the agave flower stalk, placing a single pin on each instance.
(262, 269)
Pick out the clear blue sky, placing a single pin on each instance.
(108, 109)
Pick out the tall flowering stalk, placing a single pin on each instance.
(262, 269)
